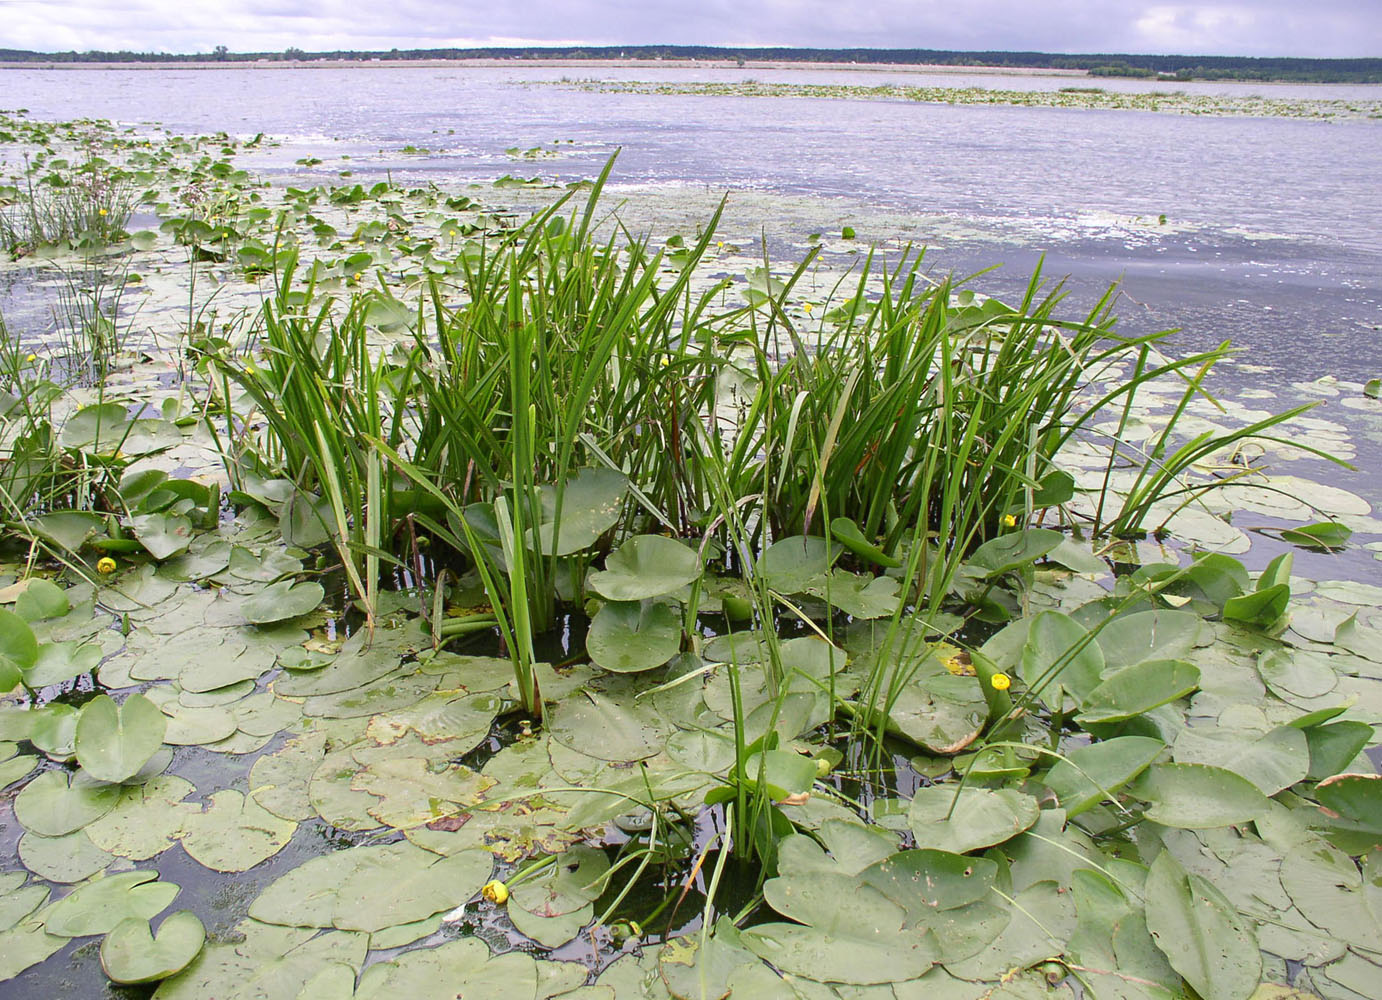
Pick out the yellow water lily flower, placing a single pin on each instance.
(1001, 682)
(103, 212)
(31, 357)
(496, 892)
(1009, 521)
(105, 566)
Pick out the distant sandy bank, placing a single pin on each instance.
(563, 63)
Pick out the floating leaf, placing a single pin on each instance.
(55, 804)
(69, 858)
(1013, 550)
(131, 953)
(1201, 933)
(1091, 773)
(1137, 689)
(646, 566)
(163, 534)
(114, 741)
(629, 636)
(1272, 761)
(18, 649)
(1060, 655)
(235, 833)
(283, 600)
(1320, 535)
(958, 820)
(95, 907)
(590, 505)
(373, 887)
(1198, 796)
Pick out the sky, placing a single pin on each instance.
(1320, 28)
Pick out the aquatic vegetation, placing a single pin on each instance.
(492, 577)
(1066, 97)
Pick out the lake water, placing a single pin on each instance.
(1265, 231)
(1272, 231)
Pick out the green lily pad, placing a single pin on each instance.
(114, 741)
(1149, 635)
(146, 821)
(846, 932)
(69, 858)
(1331, 893)
(283, 600)
(95, 907)
(861, 597)
(1060, 655)
(25, 945)
(1137, 689)
(1273, 761)
(1355, 797)
(18, 649)
(980, 817)
(606, 723)
(163, 535)
(790, 565)
(131, 953)
(61, 661)
(591, 501)
(1201, 933)
(646, 566)
(373, 887)
(99, 429)
(1090, 774)
(629, 636)
(18, 900)
(1197, 796)
(42, 599)
(54, 803)
(235, 833)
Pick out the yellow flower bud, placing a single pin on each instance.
(31, 357)
(1001, 682)
(496, 892)
(1009, 521)
(103, 212)
(105, 566)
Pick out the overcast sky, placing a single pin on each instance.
(1232, 27)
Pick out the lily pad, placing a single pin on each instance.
(1092, 773)
(54, 803)
(373, 887)
(114, 741)
(1198, 796)
(1137, 689)
(646, 566)
(1201, 933)
(629, 636)
(69, 858)
(131, 953)
(958, 820)
(164, 535)
(95, 907)
(235, 833)
(283, 600)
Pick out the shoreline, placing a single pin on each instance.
(765, 64)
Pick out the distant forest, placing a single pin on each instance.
(1104, 64)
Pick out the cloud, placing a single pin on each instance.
(1240, 27)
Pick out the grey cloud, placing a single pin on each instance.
(1233, 27)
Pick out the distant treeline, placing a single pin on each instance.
(1107, 64)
